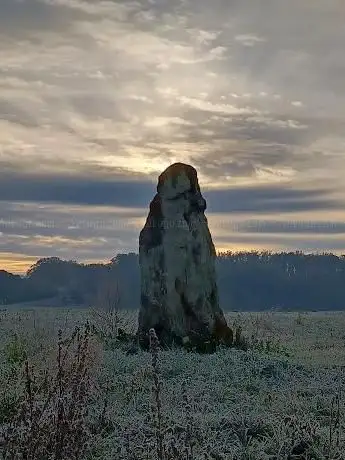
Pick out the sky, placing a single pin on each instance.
(98, 97)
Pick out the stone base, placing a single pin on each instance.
(195, 343)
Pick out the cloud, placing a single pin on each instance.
(74, 190)
(292, 227)
(83, 190)
(98, 97)
(32, 16)
(282, 243)
(274, 199)
(10, 112)
(248, 39)
(214, 108)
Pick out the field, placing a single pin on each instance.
(280, 399)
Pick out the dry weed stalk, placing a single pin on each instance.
(52, 422)
(189, 441)
(108, 314)
(157, 406)
(334, 421)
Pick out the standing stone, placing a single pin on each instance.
(179, 295)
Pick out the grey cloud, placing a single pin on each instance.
(74, 190)
(24, 18)
(9, 111)
(22, 168)
(99, 74)
(119, 107)
(292, 227)
(96, 105)
(84, 190)
(38, 247)
(85, 221)
(284, 243)
(67, 232)
(273, 199)
(244, 161)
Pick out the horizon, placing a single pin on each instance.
(99, 97)
(218, 253)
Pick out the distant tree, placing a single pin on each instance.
(247, 280)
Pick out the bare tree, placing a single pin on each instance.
(108, 309)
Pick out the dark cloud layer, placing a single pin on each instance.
(75, 190)
(269, 200)
(292, 227)
(23, 19)
(79, 190)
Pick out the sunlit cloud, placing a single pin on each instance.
(248, 39)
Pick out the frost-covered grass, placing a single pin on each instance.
(281, 399)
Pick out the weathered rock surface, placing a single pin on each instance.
(179, 295)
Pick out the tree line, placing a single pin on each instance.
(247, 281)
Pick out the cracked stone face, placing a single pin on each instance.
(179, 295)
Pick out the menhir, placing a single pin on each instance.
(179, 295)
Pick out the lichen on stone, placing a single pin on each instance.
(179, 294)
